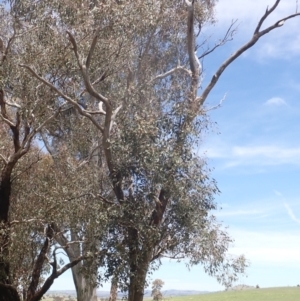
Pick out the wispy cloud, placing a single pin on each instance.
(267, 247)
(278, 193)
(275, 101)
(291, 213)
(238, 213)
(262, 155)
(272, 152)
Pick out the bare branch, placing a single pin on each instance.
(49, 148)
(256, 36)
(265, 16)
(56, 273)
(89, 157)
(14, 222)
(38, 266)
(7, 121)
(113, 116)
(84, 70)
(218, 105)
(227, 37)
(13, 104)
(173, 257)
(170, 72)
(3, 113)
(75, 48)
(193, 59)
(100, 78)
(92, 48)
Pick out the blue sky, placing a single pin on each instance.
(254, 150)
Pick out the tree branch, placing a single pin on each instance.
(193, 59)
(38, 266)
(265, 16)
(64, 96)
(92, 48)
(256, 36)
(84, 70)
(56, 273)
(170, 72)
(227, 37)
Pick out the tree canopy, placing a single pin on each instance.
(101, 116)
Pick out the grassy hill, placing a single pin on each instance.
(263, 294)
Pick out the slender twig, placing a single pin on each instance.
(227, 37)
(218, 105)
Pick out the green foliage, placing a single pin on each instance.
(110, 91)
(121, 173)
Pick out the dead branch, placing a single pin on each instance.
(256, 36)
(227, 37)
(218, 105)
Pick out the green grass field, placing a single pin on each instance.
(262, 294)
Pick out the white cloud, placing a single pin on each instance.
(291, 213)
(270, 248)
(275, 101)
(265, 155)
(273, 152)
(256, 155)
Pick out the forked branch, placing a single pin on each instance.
(256, 36)
(80, 110)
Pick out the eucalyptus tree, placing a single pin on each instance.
(72, 134)
(134, 64)
(34, 197)
(142, 75)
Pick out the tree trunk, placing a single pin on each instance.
(86, 289)
(113, 289)
(137, 282)
(139, 264)
(7, 292)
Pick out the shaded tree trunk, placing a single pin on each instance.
(7, 292)
(138, 280)
(140, 258)
(86, 289)
(113, 289)
(139, 265)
